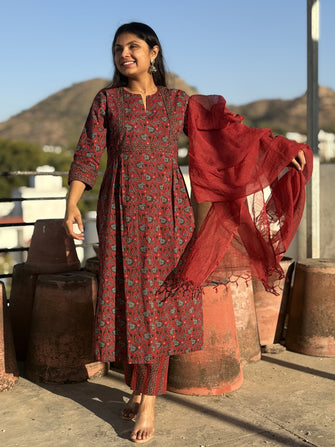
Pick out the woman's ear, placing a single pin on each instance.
(154, 51)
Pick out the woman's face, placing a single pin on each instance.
(132, 55)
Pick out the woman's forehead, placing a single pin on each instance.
(127, 38)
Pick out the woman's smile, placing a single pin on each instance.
(128, 63)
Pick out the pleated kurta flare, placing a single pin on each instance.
(144, 224)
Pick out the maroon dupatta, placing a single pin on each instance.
(246, 229)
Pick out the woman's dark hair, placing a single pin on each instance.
(147, 34)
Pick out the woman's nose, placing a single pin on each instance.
(125, 52)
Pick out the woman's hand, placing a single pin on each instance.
(299, 161)
(73, 216)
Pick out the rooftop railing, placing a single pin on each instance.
(14, 221)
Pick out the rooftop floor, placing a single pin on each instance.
(287, 399)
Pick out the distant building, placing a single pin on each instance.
(298, 137)
(26, 211)
(326, 143)
(52, 149)
(40, 186)
(29, 211)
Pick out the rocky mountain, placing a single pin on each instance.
(289, 115)
(58, 119)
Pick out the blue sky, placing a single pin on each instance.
(244, 50)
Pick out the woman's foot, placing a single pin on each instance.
(144, 424)
(130, 411)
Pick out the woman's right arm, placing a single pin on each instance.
(72, 213)
(85, 165)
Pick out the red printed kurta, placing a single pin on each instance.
(144, 224)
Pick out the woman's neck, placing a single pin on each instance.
(144, 87)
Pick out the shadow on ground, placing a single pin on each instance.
(106, 402)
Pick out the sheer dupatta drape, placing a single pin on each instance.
(257, 197)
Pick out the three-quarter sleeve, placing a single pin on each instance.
(181, 108)
(91, 145)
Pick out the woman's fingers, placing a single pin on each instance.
(70, 231)
(299, 161)
(72, 218)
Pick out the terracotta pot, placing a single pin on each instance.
(311, 321)
(9, 372)
(60, 344)
(271, 310)
(216, 369)
(21, 307)
(92, 265)
(246, 322)
(51, 249)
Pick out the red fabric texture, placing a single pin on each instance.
(246, 229)
(144, 224)
(148, 378)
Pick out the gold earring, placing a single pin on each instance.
(152, 68)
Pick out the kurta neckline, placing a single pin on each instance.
(139, 94)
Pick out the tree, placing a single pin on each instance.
(17, 156)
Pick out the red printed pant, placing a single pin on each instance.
(148, 378)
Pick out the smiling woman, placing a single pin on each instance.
(147, 238)
(132, 56)
(133, 47)
(144, 220)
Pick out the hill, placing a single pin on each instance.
(58, 119)
(289, 115)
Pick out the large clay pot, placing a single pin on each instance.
(51, 249)
(9, 372)
(311, 321)
(21, 307)
(216, 369)
(271, 310)
(60, 345)
(246, 322)
(92, 265)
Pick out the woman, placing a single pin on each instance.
(144, 215)
(145, 223)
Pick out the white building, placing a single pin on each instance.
(326, 143)
(40, 186)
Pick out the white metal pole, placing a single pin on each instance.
(313, 187)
